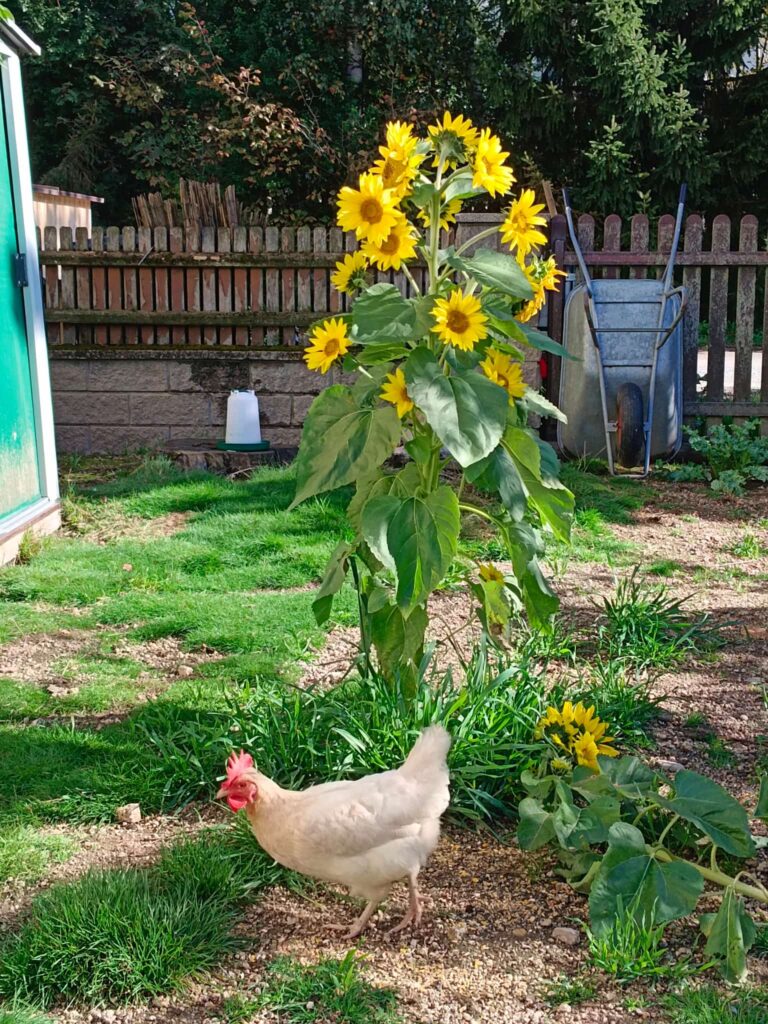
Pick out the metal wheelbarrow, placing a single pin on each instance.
(625, 337)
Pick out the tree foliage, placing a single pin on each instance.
(622, 99)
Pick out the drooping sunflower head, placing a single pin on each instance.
(489, 169)
(487, 571)
(578, 732)
(370, 210)
(328, 341)
(543, 277)
(349, 276)
(453, 139)
(399, 245)
(396, 392)
(447, 214)
(459, 320)
(504, 371)
(520, 229)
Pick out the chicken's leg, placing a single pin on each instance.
(413, 914)
(358, 925)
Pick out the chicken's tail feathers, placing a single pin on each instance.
(429, 750)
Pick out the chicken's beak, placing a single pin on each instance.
(223, 791)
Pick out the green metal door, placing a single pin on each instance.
(19, 473)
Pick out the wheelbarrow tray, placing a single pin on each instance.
(632, 306)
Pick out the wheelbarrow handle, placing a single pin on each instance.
(683, 194)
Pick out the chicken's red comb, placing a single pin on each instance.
(238, 763)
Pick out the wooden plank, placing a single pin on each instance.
(194, 334)
(51, 275)
(303, 275)
(718, 310)
(240, 283)
(612, 240)
(288, 282)
(320, 277)
(146, 286)
(272, 282)
(206, 318)
(694, 232)
(130, 286)
(209, 285)
(83, 285)
(335, 241)
(176, 244)
(639, 241)
(162, 296)
(256, 282)
(67, 293)
(114, 282)
(351, 245)
(99, 284)
(743, 410)
(666, 232)
(558, 233)
(764, 372)
(746, 281)
(224, 244)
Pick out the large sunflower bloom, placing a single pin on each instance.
(327, 342)
(399, 245)
(505, 372)
(520, 228)
(370, 210)
(459, 320)
(395, 391)
(349, 275)
(399, 162)
(488, 168)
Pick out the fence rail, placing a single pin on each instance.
(256, 287)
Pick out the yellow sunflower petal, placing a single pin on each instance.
(327, 343)
(459, 320)
(395, 392)
(370, 210)
(349, 274)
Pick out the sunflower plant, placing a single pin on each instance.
(440, 374)
(632, 837)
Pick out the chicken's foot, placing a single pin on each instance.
(359, 924)
(415, 908)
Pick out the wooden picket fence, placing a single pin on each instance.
(256, 287)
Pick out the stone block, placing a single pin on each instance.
(301, 404)
(128, 375)
(283, 437)
(81, 407)
(183, 432)
(171, 408)
(275, 410)
(73, 439)
(116, 440)
(290, 377)
(208, 376)
(69, 374)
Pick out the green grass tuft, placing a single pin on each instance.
(708, 1005)
(330, 990)
(27, 853)
(120, 936)
(631, 950)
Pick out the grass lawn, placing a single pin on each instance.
(170, 623)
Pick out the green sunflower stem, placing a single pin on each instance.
(718, 877)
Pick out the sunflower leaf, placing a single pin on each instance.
(381, 314)
(713, 810)
(730, 933)
(537, 826)
(333, 581)
(467, 411)
(495, 270)
(341, 442)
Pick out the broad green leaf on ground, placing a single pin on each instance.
(536, 827)
(713, 810)
(730, 934)
(341, 442)
(381, 314)
(551, 499)
(467, 411)
(630, 878)
(580, 827)
(333, 581)
(495, 270)
(497, 472)
(535, 786)
(415, 537)
(631, 776)
(397, 637)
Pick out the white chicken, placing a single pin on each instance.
(366, 834)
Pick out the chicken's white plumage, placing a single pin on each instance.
(366, 834)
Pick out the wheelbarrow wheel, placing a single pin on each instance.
(629, 424)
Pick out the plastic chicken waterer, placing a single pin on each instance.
(243, 430)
